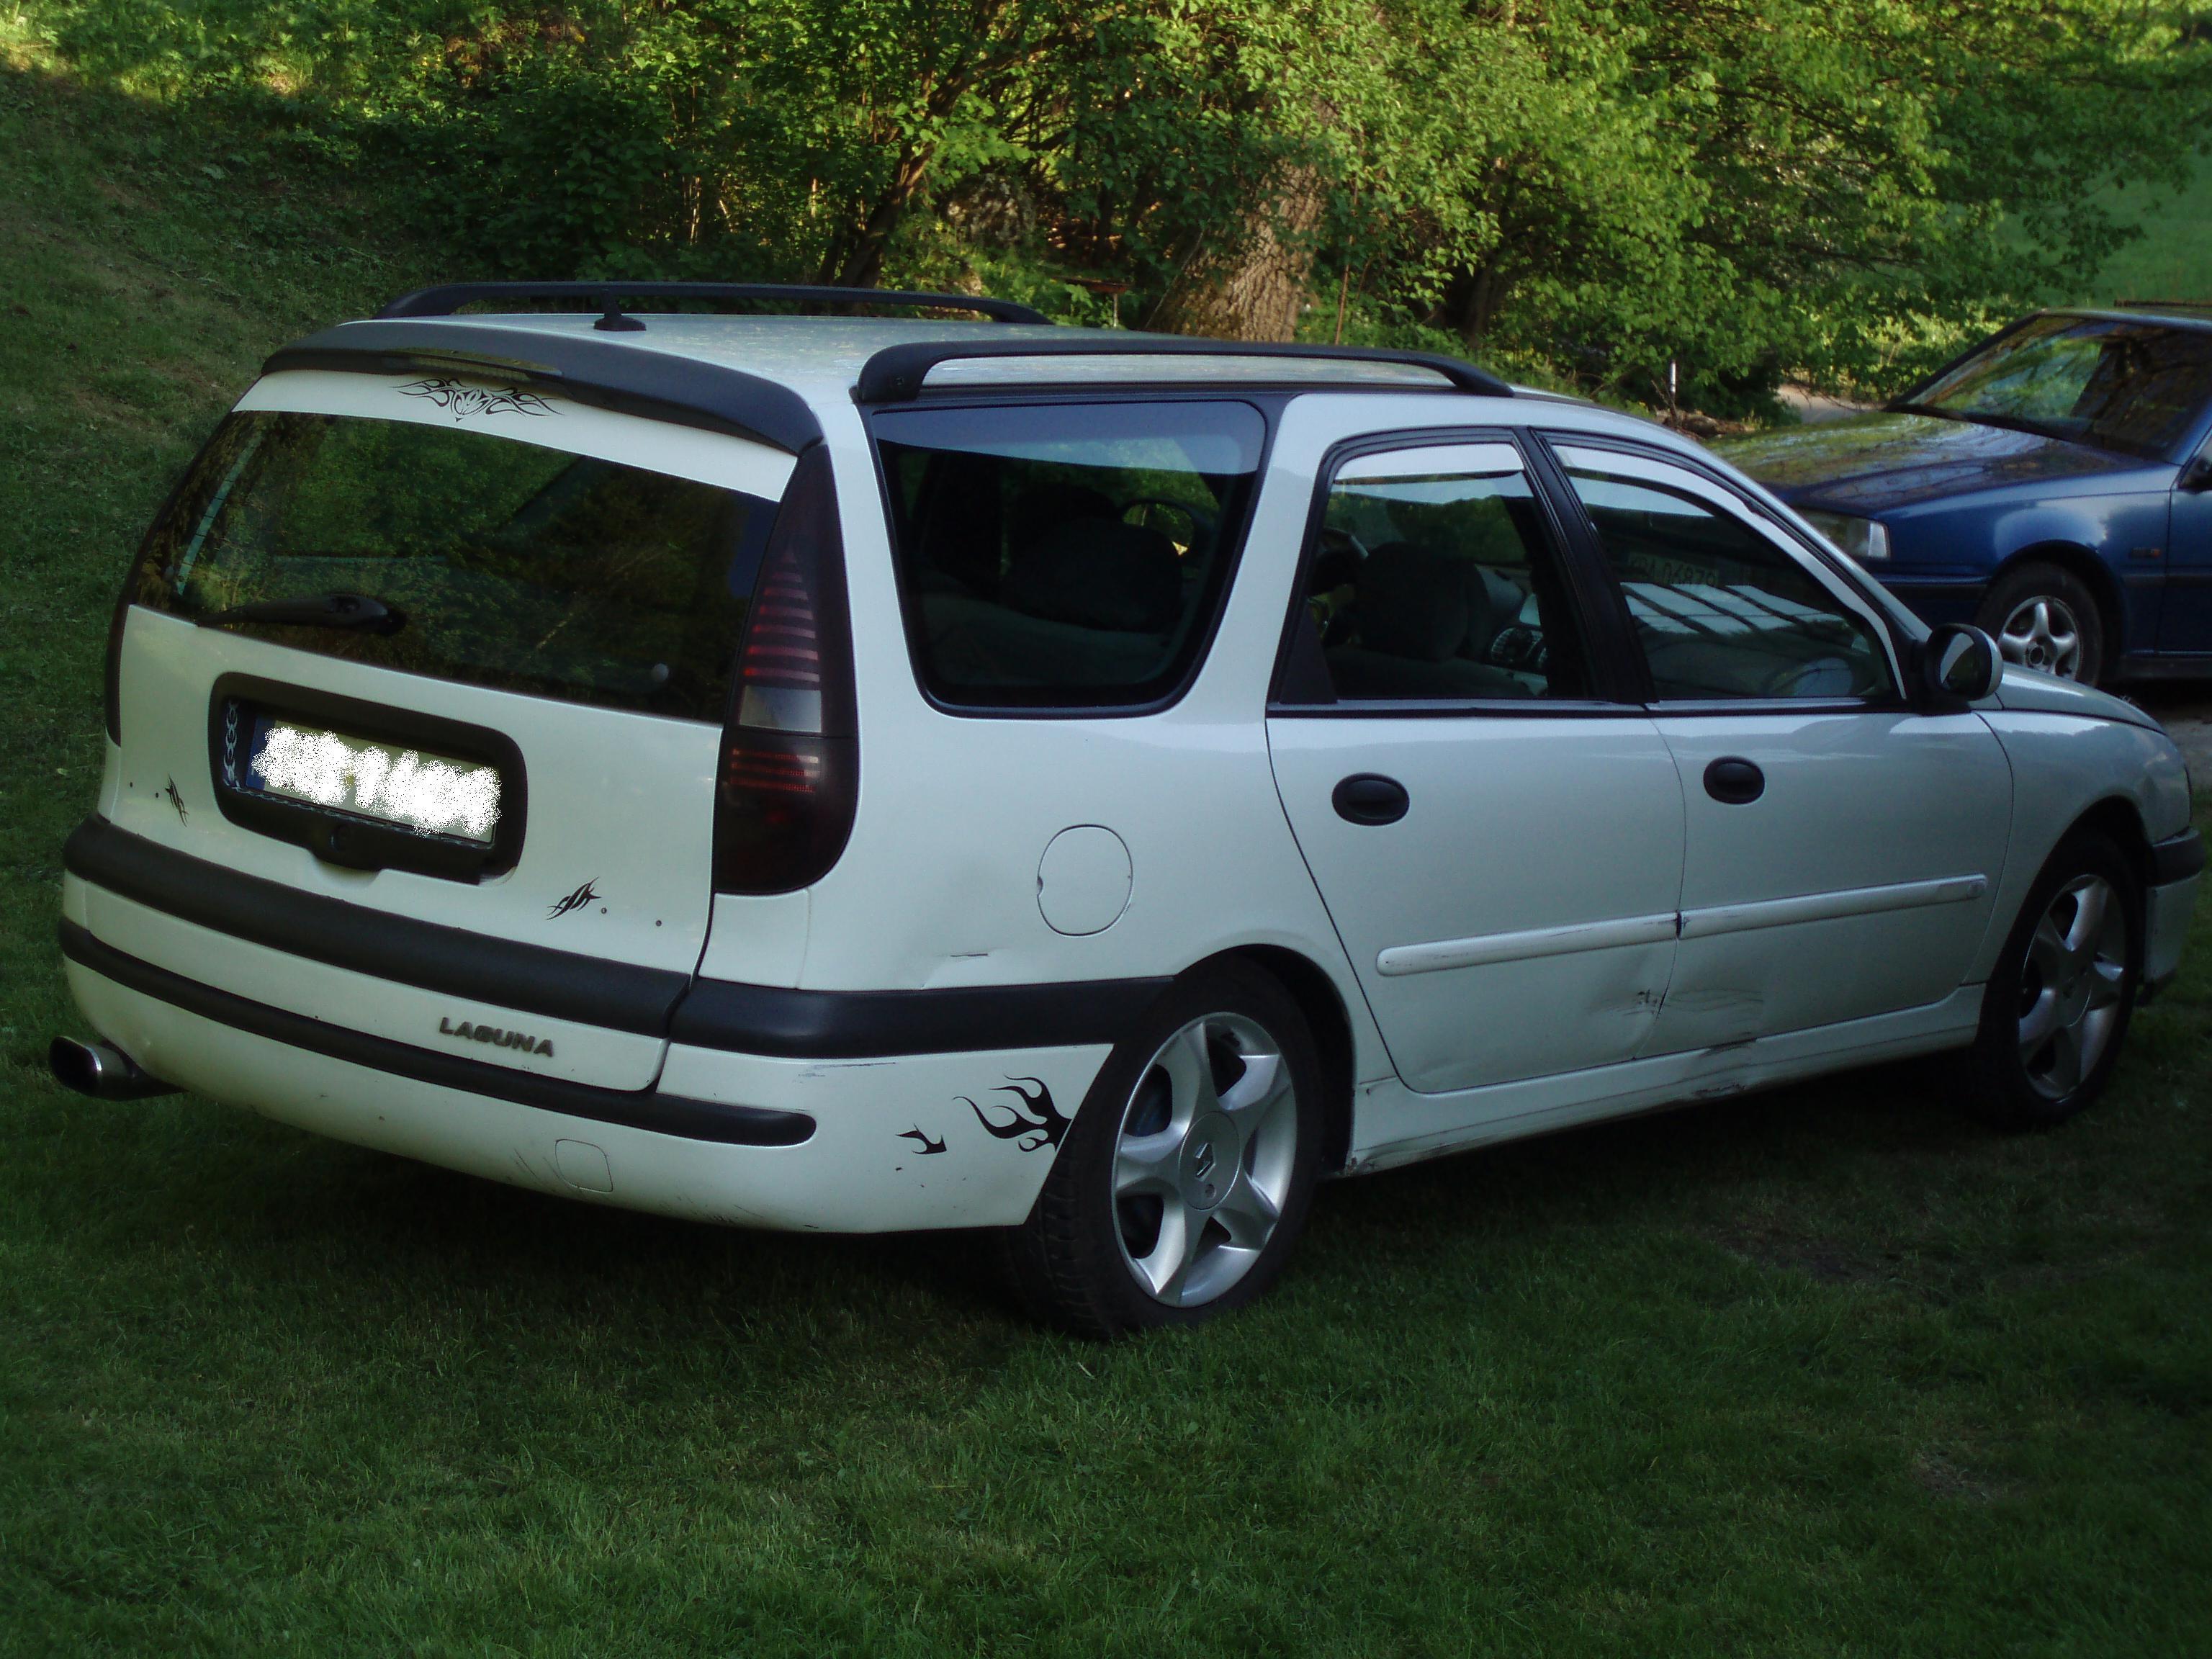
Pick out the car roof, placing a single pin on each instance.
(2180, 314)
(769, 378)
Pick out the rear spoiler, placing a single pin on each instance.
(602, 372)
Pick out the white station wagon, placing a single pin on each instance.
(856, 774)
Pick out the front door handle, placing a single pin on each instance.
(1735, 781)
(1370, 798)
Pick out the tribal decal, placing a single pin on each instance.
(461, 401)
(1044, 1129)
(175, 800)
(587, 894)
(916, 1135)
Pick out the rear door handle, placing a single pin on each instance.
(1735, 781)
(1370, 798)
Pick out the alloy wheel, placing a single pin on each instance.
(2072, 986)
(1203, 1159)
(2043, 632)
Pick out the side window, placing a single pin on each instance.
(1065, 556)
(1433, 578)
(1719, 611)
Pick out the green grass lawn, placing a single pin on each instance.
(1823, 1372)
(2173, 258)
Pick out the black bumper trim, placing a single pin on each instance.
(705, 1013)
(2177, 859)
(530, 978)
(665, 1115)
(760, 1019)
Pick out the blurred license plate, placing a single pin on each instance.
(408, 788)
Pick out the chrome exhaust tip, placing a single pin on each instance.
(105, 1073)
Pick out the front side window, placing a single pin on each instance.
(1432, 579)
(494, 561)
(1065, 556)
(2122, 385)
(1719, 611)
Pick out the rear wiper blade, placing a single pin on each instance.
(356, 610)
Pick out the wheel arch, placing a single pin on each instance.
(1311, 987)
(2120, 820)
(2077, 560)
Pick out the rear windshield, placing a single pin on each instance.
(500, 564)
(1065, 556)
(2131, 386)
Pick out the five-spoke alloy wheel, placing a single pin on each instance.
(2059, 1001)
(1208, 1146)
(1187, 1175)
(2043, 617)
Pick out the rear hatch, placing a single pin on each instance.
(420, 694)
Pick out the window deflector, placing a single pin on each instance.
(1431, 460)
(1650, 469)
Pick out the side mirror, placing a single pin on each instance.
(2195, 477)
(1959, 665)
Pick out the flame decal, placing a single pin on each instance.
(1037, 1123)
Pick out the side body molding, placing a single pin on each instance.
(1705, 923)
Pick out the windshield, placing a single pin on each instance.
(2113, 383)
(506, 564)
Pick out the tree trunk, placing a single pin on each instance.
(1247, 280)
(856, 258)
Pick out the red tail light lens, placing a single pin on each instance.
(789, 777)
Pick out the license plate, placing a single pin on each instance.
(387, 783)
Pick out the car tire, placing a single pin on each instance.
(1186, 1177)
(2055, 1011)
(2044, 617)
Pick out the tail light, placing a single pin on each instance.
(789, 775)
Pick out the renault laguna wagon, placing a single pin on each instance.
(853, 774)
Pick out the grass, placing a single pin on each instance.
(2173, 258)
(1823, 1372)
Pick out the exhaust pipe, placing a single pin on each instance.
(105, 1073)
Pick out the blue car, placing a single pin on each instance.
(2052, 486)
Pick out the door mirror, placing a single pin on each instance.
(2195, 477)
(1959, 664)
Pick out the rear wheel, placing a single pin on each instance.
(1187, 1175)
(2044, 617)
(2058, 1004)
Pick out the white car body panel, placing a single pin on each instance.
(1809, 906)
(1565, 929)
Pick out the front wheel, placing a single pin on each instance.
(1186, 1177)
(2059, 1000)
(2045, 618)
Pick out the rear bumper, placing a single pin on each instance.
(838, 1145)
(2177, 866)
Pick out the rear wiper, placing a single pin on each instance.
(315, 611)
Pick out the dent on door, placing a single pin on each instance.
(1509, 911)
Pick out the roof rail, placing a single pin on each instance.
(2166, 305)
(895, 374)
(447, 298)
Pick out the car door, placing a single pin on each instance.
(2186, 623)
(1497, 836)
(1841, 850)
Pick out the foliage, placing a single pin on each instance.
(1585, 188)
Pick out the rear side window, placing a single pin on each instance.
(1065, 556)
(1432, 579)
(500, 564)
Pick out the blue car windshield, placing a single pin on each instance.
(2113, 383)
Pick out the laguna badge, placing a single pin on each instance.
(497, 1037)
